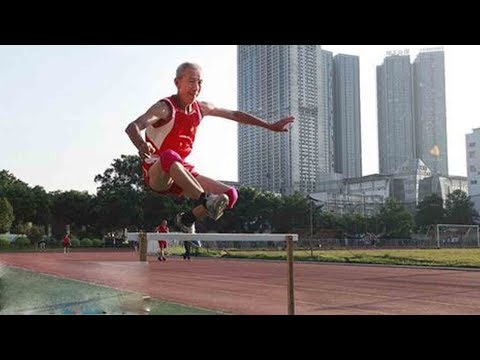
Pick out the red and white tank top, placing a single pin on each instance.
(179, 133)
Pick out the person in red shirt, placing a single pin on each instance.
(66, 244)
(162, 228)
(170, 126)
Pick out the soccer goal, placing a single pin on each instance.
(455, 235)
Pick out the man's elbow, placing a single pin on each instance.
(129, 128)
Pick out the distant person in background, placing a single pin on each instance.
(135, 245)
(42, 244)
(66, 243)
(188, 248)
(162, 244)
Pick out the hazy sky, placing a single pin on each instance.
(64, 109)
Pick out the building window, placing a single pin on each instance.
(472, 144)
(471, 154)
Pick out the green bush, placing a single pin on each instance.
(36, 233)
(21, 228)
(97, 243)
(6, 215)
(4, 242)
(86, 242)
(22, 242)
(75, 242)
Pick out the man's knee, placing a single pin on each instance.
(167, 158)
(232, 197)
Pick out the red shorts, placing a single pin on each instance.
(162, 244)
(174, 188)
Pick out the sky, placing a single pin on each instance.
(64, 108)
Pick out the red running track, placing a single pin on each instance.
(260, 287)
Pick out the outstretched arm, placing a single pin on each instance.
(159, 113)
(245, 118)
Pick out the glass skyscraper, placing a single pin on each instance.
(412, 111)
(275, 81)
(430, 110)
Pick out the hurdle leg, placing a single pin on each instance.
(290, 288)
(143, 246)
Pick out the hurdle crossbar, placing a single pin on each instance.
(289, 239)
(178, 236)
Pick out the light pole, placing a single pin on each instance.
(365, 212)
(364, 203)
(311, 200)
(311, 218)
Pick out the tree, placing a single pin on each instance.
(255, 211)
(6, 215)
(292, 215)
(125, 172)
(242, 218)
(41, 206)
(430, 211)
(70, 208)
(459, 209)
(121, 195)
(35, 234)
(20, 196)
(395, 219)
(21, 228)
(157, 207)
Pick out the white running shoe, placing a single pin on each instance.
(216, 204)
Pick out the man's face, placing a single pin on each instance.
(189, 85)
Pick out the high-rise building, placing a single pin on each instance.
(411, 111)
(396, 130)
(348, 134)
(430, 109)
(275, 81)
(473, 166)
(326, 138)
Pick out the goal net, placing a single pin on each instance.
(454, 235)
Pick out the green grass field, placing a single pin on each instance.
(419, 257)
(26, 293)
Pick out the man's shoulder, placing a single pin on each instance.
(205, 107)
(164, 109)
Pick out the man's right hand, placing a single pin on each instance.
(145, 150)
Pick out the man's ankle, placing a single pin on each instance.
(202, 200)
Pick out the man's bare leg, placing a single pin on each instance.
(212, 186)
(208, 185)
(161, 181)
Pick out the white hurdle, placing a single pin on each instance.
(146, 239)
